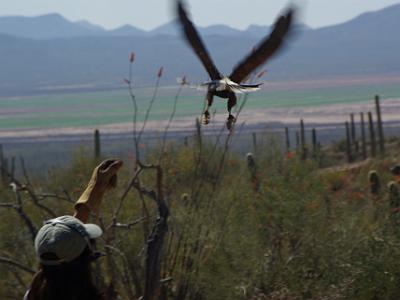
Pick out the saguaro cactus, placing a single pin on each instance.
(394, 194)
(252, 167)
(97, 146)
(374, 182)
(395, 170)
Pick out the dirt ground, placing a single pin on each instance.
(327, 114)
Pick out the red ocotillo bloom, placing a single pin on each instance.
(160, 72)
(131, 57)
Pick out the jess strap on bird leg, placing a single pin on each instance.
(104, 177)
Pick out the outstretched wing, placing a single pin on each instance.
(265, 50)
(194, 39)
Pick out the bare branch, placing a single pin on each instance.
(31, 193)
(130, 224)
(146, 118)
(53, 196)
(15, 263)
(19, 209)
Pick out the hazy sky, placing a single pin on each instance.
(148, 14)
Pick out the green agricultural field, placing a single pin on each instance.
(110, 107)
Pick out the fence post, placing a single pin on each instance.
(380, 127)
(363, 141)
(372, 134)
(348, 144)
(353, 133)
(297, 142)
(287, 139)
(314, 141)
(2, 165)
(303, 140)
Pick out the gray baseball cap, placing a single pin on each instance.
(63, 239)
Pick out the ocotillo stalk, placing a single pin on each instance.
(348, 145)
(297, 142)
(371, 134)
(374, 182)
(353, 133)
(363, 141)
(97, 147)
(198, 133)
(380, 126)
(287, 139)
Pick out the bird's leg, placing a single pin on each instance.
(231, 103)
(209, 101)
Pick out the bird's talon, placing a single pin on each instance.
(230, 121)
(206, 118)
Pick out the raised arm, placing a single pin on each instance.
(104, 177)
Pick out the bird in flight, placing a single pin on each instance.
(227, 86)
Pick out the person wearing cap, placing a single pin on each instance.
(64, 245)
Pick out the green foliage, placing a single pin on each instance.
(303, 234)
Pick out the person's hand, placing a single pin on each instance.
(104, 176)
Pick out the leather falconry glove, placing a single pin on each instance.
(104, 177)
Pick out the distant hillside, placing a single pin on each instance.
(45, 27)
(56, 26)
(366, 45)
